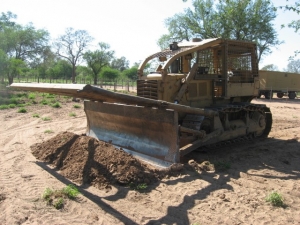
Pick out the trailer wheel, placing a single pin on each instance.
(292, 95)
(279, 95)
(268, 95)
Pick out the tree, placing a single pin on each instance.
(270, 67)
(248, 20)
(109, 73)
(293, 66)
(11, 67)
(5, 20)
(25, 43)
(98, 59)
(71, 46)
(60, 69)
(294, 24)
(120, 64)
(131, 73)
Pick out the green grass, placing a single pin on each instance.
(56, 105)
(138, 187)
(141, 186)
(72, 114)
(35, 115)
(47, 95)
(22, 110)
(71, 191)
(4, 107)
(31, 95)
(48, 131)
(12, 106)
(44, 102)
(275, 199)
(76, 106)
(56, 198)
(46, 118)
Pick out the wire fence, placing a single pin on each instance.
(115, 84)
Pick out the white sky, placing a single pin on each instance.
(130, 27)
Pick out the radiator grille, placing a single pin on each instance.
(147, 89)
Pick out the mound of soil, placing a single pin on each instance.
(85, 160)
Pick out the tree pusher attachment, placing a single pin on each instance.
(146, 128)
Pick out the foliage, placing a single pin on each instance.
(22, 46)
(98, 59)
(31, 95)
(293, 66)
(109, 73)
(5, 20)
(270, 67)
(71, 191)
(60, 68)
(46, 118)
(48, 131)
(44, 102)
(275, 199)
(71, 46)
(56, 197)
(76, 106)
(35, 115)
(249, 20)
(4, 107)
(120, 63)
(72, 114)
(22, 110)
(294, 24)
(130, 73)
(138, 187)
(56, 105)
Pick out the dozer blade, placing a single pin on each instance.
(147, 133)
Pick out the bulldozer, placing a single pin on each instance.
(198, 95)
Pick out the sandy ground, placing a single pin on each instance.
(231, 196)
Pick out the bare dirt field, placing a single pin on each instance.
(219, 186)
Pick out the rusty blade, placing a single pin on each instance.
(150, 134)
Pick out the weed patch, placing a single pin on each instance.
(56, 198)
(76, 106)
(48, 131)
(4, 107)
(56, 105)
(22, 110)
(46, 118)
(72, 114)
(275, 199)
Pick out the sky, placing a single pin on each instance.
(130, 27)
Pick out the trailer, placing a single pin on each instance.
(281, 83)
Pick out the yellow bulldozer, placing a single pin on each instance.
(199, 94)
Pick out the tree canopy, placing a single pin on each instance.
(21, 45)
(293, 66)
(98, 59)
(71, 46)
(248, 20)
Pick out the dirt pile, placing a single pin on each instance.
(86, 160)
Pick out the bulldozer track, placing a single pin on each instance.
(236, 108)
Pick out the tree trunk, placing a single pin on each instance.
(10, 80)
(95, 80)
(73, 73)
